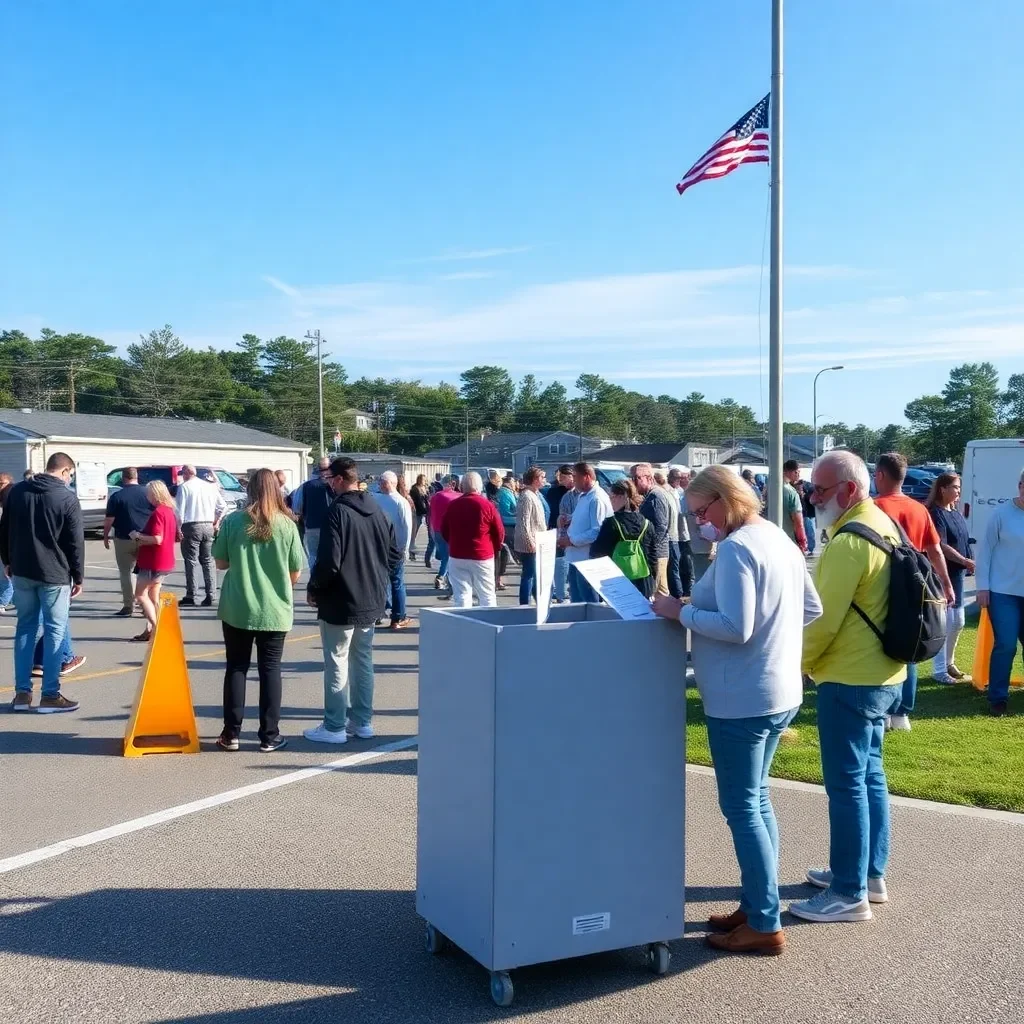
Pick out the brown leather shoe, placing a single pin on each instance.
(745, 940)
(727, 922)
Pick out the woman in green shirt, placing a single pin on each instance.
(259, 550)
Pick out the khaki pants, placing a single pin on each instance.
(661, 576)
(126, 552)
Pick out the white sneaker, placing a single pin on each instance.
(945, 679)
(877, 892)
(899, 723)
(829, 906)
(321, 734)
(359, 732)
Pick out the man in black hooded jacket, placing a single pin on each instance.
(348, 587)
(42, 544)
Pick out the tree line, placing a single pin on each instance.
(271, 384)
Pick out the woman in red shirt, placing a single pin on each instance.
(156, 553)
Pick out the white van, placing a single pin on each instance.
(991, 471)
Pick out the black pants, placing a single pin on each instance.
(238, 650)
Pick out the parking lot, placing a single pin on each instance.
(249, 888)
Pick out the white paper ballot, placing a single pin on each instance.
(608, 580)
(546, 549)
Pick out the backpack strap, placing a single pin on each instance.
(878, 541)
(866, 533)
(643, 529)
(618, 526)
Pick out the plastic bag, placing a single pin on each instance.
(983, 654)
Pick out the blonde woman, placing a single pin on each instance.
(259, 550)
(746, 617)
(156, 554)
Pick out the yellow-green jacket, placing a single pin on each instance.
(839, 647)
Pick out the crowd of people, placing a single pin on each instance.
(698, 545)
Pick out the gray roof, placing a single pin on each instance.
(492, 442)
(384, 457)
(655, 452)
(140, 428)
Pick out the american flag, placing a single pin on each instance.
(746, 142)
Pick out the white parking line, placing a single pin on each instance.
(22, 860)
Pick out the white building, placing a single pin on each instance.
(102, 445)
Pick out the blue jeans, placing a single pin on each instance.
(397, 603)
(65, 654)
(442, 554)
(311, 540)
(851, 724)
(561, 577)
(742, 750)
(52, 604)
(1007, 614)
(528, 580)
(417, 522)
(348, 674)
(812, 534)
(431, 543)
(6, 587)
(909, 692)
(675, 580)
(580, 591)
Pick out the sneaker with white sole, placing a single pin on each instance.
(822, 878)
(829, 906)
(22, 701)
(321, 734)
(945, 679)
(359, 732)
(899, 723)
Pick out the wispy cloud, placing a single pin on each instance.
(668, 324)
(467, 275)
(453, 255)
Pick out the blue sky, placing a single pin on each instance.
(440, 185)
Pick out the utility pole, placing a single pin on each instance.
(315, 336)
(467, 438)
(775, 290)
(71, 387)
(581, 431)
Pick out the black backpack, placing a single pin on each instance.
(915, 626)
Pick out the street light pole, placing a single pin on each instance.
(315, 336)
(815, 410)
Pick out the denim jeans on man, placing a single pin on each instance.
(528, 579)
(52, 603)
(851, 724)
(675, 584)
(64, 655)
(1007, 614)
(311, 539)
(348, 675)
(431, 544)
(6, 587)
(580, 591)
(742, 750)
(909, 692)
(561, 587)
(396, 579)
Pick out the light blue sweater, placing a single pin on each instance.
(1000, 561)
(747, 619)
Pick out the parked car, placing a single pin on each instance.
(231, 489)
(918, 483)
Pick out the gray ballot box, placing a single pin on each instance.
(551, 785)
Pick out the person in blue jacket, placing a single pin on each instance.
(507, 502)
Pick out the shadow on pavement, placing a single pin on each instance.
(21, 742)
(370, 941)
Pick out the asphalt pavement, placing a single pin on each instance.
(294, 901)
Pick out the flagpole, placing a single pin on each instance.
(775, 285)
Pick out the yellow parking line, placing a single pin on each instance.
(135, 668)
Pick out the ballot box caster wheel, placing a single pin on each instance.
(658, 958)
(501, 988)
(435, 941)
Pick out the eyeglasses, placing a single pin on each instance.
(820, 491)
(702, 513)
